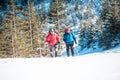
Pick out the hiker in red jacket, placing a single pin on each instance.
(53, 40)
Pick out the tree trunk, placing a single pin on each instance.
(29, 17)
(13, 48)
(14, 35)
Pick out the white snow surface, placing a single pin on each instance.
(97, 66)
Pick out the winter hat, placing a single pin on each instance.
(51, 30)
(67, 29)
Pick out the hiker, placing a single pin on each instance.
(69, 40)
(53, 40)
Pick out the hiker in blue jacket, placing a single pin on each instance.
(69, 40)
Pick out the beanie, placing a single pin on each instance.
(51, 30)
(66, 29)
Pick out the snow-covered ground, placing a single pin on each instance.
(97, 66)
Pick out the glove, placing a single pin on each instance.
(58, 42)
(75, 42)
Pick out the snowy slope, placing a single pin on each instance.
(97, 66)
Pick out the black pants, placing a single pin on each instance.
(68, 47)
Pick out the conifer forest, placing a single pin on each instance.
(24, 24)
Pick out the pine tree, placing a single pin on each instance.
(89, 29)
(110, 29)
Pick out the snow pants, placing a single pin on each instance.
(54, 50)
(68, 48)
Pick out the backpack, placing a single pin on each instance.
(69, 38)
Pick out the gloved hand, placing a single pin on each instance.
(75, 42)
(58, 42)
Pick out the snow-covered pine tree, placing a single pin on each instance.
(110, 17)
(89, 28)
